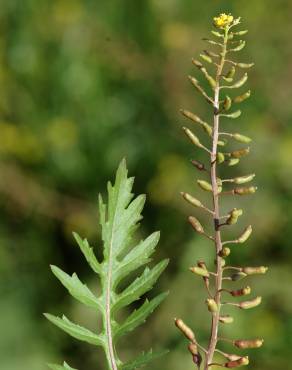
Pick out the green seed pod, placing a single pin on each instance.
(231, 73)
(240, 82)
(233, 161)
(225, 252)
(244, 179)
(245, 235)
(245, 65)
(209, 78)
(240, 153)
(204, 185)
(255, 270)
(227, 103)
(196, 225)
(217, 34)
(233, 216)
(245, 191)
(206, 58)
(207, 128)
(212, 305)
(239, 47)
(226, 319)
(238, 276)
(244, 344)
(220, 157)
(240, 33)
(250, 304)
(188, 333)
(241, 292)
(193, 138)
(200, 271)
(241, 98)
(237, 363)
(195, 202)
(241, 138)
(222, 142)
(233, 115)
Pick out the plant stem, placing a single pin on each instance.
(216, 216)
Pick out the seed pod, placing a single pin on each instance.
(233, 216)
(239, 153)
(206, 58)
(245, 65)
(225, 252)
(233, 161)
(238, 276)
(239, 83)
(222, 142)
(243, 179)
(207, 128)
(212, 305)
(199, 271)
(241, 98)
(241, 138)
(239, 47)
(227, 103)
(226, 319)
(223, 262)
(197, 358)
(253, 343)
(245, 235)
(195, 202)
(196, 225)
(231, 72)
(217, 34)
(235, 114)
(204, 185)
(250, 304)
(220, 157)
(240, 33)
(245, 191)
(188, 333)
(255, 270)
(236, 363)
(193, 138)
(209, 78)
(241, 292)
(200, 166)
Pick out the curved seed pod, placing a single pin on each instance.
(200, 89)
(234, 115)
(206, 58)
(196, 224)
(241, 292)
(233, 161)
(231, 72)
(244, 179)
(193, 117)
(204, 185)
(187, 332)
(193, 138)
(240, 33)
(209, 78)
(241, 138)
(212, 42)
(233, 216)
(245, 191)
(210, 53)
(200, 271)
(245, 235)
(244, 344)
(238, 276)
(255, 270)
(237, 84)
(244, 65)
(217, 34)
(227, 103)
(237, 363)
(243, 97)
(226, 319)
(220, 157)
(212, 305)
(195, 202)
(239, 47)
(240, 153)
(222, 142)
(225, 252)
(250, 304)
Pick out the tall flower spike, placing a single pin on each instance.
(228, 77)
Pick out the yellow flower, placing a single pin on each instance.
(223, 20)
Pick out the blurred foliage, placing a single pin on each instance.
(85, 83)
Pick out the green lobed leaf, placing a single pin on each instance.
(139, 316)
(143, 360)
(76, 288)
(65, 366)
(88, 253)
(76, 331)
(140, 285)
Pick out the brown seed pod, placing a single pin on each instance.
(251, 343)
(236, 363)
(241, 292)
(187, 332)
(196, 224)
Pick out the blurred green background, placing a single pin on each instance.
(86, 83)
